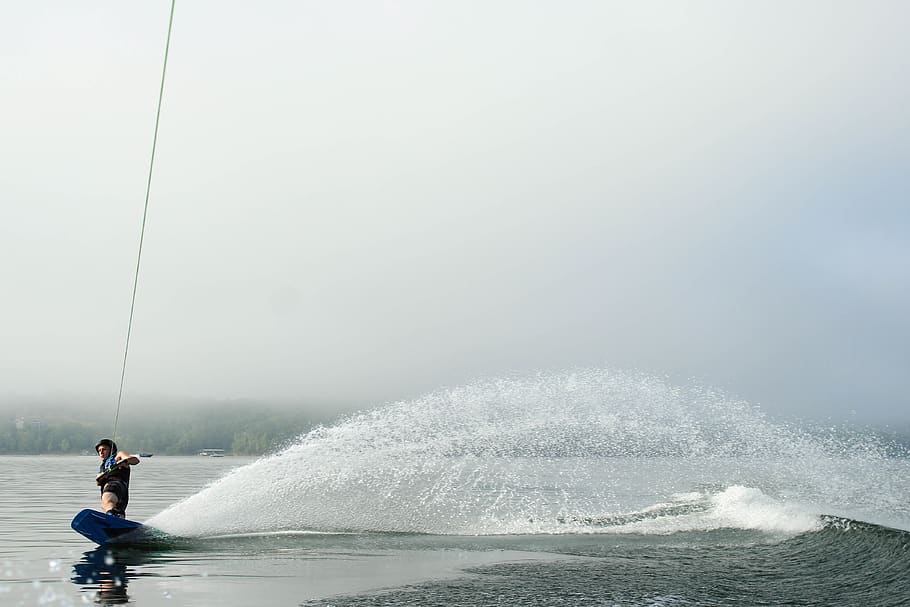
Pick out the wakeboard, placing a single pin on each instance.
(106, 529)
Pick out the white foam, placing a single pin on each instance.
(749, 508)
(736, 507)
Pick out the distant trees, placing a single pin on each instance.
(239, 430)
(36, 436)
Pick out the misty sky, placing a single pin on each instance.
(365, 201)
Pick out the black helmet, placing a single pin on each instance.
(107, 443)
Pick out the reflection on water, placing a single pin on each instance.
(105, 573)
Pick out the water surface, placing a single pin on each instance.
(572, 489)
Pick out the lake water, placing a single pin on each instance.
(556, 491)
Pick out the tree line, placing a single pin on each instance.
(237, 429)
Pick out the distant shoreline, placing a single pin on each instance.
(236, 429)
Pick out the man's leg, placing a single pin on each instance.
(110, 500)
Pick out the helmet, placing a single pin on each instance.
(107, 443)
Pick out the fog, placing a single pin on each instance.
(356, 202)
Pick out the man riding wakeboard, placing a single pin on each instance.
(114, 477)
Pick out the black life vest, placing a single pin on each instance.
(120, 474)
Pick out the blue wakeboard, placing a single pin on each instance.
(105, 528)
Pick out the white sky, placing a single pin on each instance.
(363, 201)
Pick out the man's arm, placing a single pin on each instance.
(125, 459)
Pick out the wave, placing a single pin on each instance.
(735, 507)
(526, 455)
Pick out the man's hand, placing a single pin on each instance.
(101, 478)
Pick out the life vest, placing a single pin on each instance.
(121, 474)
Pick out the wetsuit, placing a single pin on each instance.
(117, 482)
